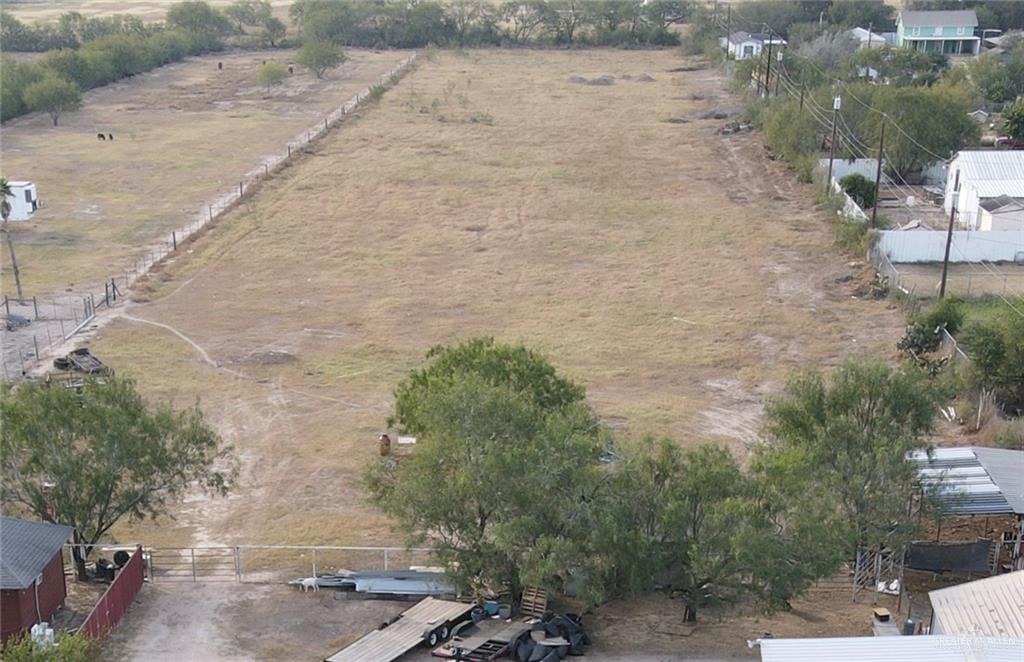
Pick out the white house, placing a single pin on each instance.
(1002, 213)
(984, 174)
(24, 200)
(868, 39)
(744, 45)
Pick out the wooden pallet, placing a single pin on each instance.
(534, 603)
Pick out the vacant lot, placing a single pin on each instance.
(676, 273)
(148, 10)
(183, 134)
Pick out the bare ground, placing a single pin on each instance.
(678, 274)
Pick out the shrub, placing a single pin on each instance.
(947, 313)
(860, 188)
(70, 647)
(1011, 435)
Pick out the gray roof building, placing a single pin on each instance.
(974, 480)
(990, 607)
(26, 548)
(892, 649)
(953, 18)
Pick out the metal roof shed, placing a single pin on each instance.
(974, 480)
(992, 607)
(893, 649)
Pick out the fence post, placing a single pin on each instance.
(62, 334)
(192, 550)
(174, 240)
(238, 564)
(211, 212)
(49, 337)
(7, 304)
(314, 562)
(289, 150)
(385, 558)
(35, 306)
(239, 189)
(106, 294)
(35, 343)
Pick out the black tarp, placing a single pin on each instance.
(958, 557)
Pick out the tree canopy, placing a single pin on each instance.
(105, 454)
(319, 56)
(54, 96)
(271, 73)
(500, 477)
(845, 440)
(1013, 120)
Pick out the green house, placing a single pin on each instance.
(948, 32)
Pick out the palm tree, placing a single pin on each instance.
(5, 211)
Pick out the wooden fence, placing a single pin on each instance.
(117, 598)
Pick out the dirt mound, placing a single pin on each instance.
(644, 78)
(677, 120)
(579, 80)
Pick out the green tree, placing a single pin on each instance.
(105, 454)
(933, 120)
(845, 440)
(1013, 120)
(694, 520)
(5, 212)
(273, 31)
(319, 56)
(996, 349)
(271, 73)
(860, 188)
(197, 16)
(497, 483)
(861, 13)
(992, 78)
(249, 13)
(54, 96)
(523, 369)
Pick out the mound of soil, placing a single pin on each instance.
(644, 78)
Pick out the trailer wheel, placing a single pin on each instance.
(432, 638)
(444, 632)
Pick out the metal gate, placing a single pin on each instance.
(193, 564)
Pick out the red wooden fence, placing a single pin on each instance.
(117, 598)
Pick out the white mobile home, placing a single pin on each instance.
(24, 200)
(744, 45)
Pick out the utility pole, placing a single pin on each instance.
(949, 235)
(869, 35)
(778, 71)
(728, 28)
(878, 175)
(768, 68)
(832, 147)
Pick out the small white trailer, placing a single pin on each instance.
(24, 200)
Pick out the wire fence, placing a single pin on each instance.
(42, 327)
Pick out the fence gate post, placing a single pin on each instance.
(192, 550)
(314, 562)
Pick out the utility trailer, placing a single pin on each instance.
(429, 621)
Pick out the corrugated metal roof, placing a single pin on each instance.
(992, 607)
(1006, 468)
(991, 172)
(964, 484)
(26, 548)
(404, 634)
(926, 648)
(953, 18)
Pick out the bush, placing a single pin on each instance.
(860, 188)
(947, 313)
(996, 349)
(789, 133)
(69, 648)
(1011, 435)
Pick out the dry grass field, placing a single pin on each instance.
(184, 134)
(31, 11)
(676, 273)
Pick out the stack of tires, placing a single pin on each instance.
(550, 639)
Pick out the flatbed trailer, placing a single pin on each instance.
(429, 621)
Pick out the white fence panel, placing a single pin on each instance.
(967, 246)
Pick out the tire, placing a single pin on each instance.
(432, 638)
(444, 632)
